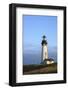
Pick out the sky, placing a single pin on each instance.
(34, 28)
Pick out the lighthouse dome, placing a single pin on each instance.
(44, 41)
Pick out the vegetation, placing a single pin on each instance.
(39, 69)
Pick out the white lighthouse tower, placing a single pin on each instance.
(44, 49)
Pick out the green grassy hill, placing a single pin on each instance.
(40, 69)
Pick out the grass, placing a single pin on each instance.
(39, 69)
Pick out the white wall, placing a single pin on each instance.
(4, 37)
(44, 52)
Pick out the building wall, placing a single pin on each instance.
(44, 52)
(49, 62)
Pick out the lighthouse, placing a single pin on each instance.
(44, 49)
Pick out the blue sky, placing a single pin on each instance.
(34, 28)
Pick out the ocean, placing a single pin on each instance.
(35, 58)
